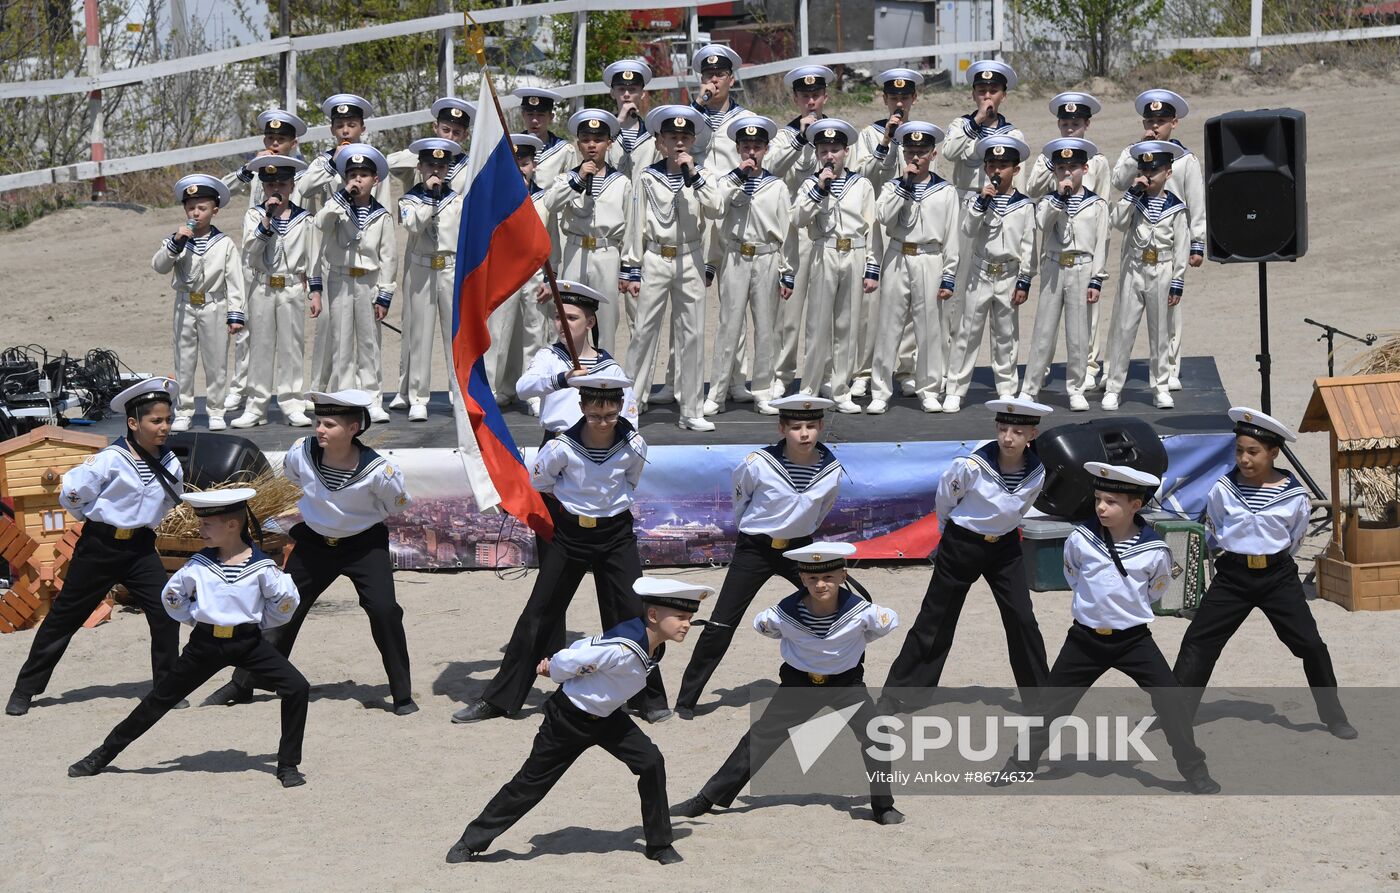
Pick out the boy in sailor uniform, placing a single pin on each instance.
(1073, 224)
(752, 232)
(665, 261)
(1162, 111)
(558, 154)
(324, 176)
(452, 121)
(716, 68)
(1156, 243)
(991, 81)
(590, 204)
(634, 148)
(597, 676)
(980, 501)
(1117, 566)
(347, 491)
(1258, 516)
(998, 227)
(591, 473)
(230, 592)
(549, 379)
(206, 271)
(431, 212)
(357, 267)
(823, 629)
(278, 252)
(781, 495)
(837, 208)
(919, 216)
(121, 494)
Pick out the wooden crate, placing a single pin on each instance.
(1359, 587)
(1366, 543)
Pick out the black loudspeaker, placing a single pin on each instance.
(212, 459)
(1256, 203)
(1069, 489)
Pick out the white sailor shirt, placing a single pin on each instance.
(403, 166)
(254, 591)
(592, 483)
(778, 498)
(1158, 224)
(1104, 598)
(1002, 233)
(879, 163)
(599, 674)
(354, 237)
(557, 156)
(975, 495)
(960, 149)
(432, 222)
(321, 180)
(281, 246)
(633, 150)
(926, 216)
(754, 211)
(791, 155)
(1187, 180)
(1041, 180)
(547, 378)
(722, 154)
(341, 503)
(668, 213)
(845, 211)
(115, 487)
(1257, 520)
(599, 212)
(830, 644)
(210, 264)
(1078, 226)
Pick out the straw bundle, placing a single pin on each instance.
(1375, 490)
(276, 497)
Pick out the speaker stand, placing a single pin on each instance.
(1265, 368)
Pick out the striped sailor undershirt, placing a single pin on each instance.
(335, 478)
(838, 185)
(716, 119)
(144, 470)
(631, 137)
(1129, 542)
(1152, 208)
(1014, 479)
(800, 475)
(280, 224)
(596, 454)
(1001, 202)
(231, 572)
(819, 626)
(1072, 205)
(922, 189)
(751, 184)
(1256, 498)
(362, 214)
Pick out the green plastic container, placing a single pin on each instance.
(1043, 550)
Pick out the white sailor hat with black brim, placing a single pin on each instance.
(715, 57)
(752, 127)
(680, 119)
(360, 155)
(347, 105)
(605, 384)
(580, 295)
(1069, 150)
(818, 558)
(593, 122)
(152, 390)
(802, 407)
(1074, 104)
(1018, 411)
(537, 99)
(1161, 104)
(899, 80)
(435, 150)
(209, 503)
(1153, 154)
(520, 140)
(831, 131)
(1003, 148)
(280, 122)
(196, 186)
(1122, 479)
(627, 73)
(454, 111)
(352, 402)
(918, 134)
(991, 71)
(671, 593)
(809, 77)
(1262, 427)
(276, 167)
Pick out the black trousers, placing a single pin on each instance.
(609, 550)
(100, 562)
(755, 562)
(565, 734)
(607, 611)
(364, 560)
(962, 557)
(782, 714)
(206, 655)
(1276, 590)
(1086, 656)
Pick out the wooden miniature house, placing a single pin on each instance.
(39, 541)
(1360, 568)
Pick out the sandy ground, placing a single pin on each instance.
(195, 802)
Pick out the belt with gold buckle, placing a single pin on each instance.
(223, 632)
(779, 544)
(585, 521)
(356, 272)
(994, 269)
(668, 251)
(123, 533)
(1257, 562)
(991, 537)
(843, 244)
(331, 540)
(909, 249)
(438, 262)
(1103, 630)
(588, 242)
(1068, 258)
(277, 282)
(1149, 255)
(748, 250)
(817, 678)
(196, 299)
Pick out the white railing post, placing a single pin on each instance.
(291, 98)
(1256, 30)
(580, 53)
(804, 36)
(999, 26)
(94, 68)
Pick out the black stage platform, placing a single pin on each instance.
(1200, 408)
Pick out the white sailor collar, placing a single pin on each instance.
(551, 145)
(1148, 540)
(1290, 489)
(1171, 205)
(375, 209)
(623, 434)
(369, 461)
(632, 635)
(256, 562)
(848, 606)
(562, 352)
(1085, 200)
(826, 464)
(986, 457)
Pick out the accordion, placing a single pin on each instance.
(1187, 541)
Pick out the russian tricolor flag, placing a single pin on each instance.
(501, 245)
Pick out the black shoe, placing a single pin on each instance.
(667, 855)
(656, 715)
(686, 713)
(229, 694)
(1342, 729)
(460, 853)
(18, 705)
(1201, 783)
(290, 777)
(90, 765)
(405, 707)
(182, 704)
(694, 807)
(889, 816)
(476, 712)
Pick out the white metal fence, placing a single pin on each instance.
(289, 47)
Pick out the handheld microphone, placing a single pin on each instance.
(588, 184)
(685, 172)
(996, 180)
